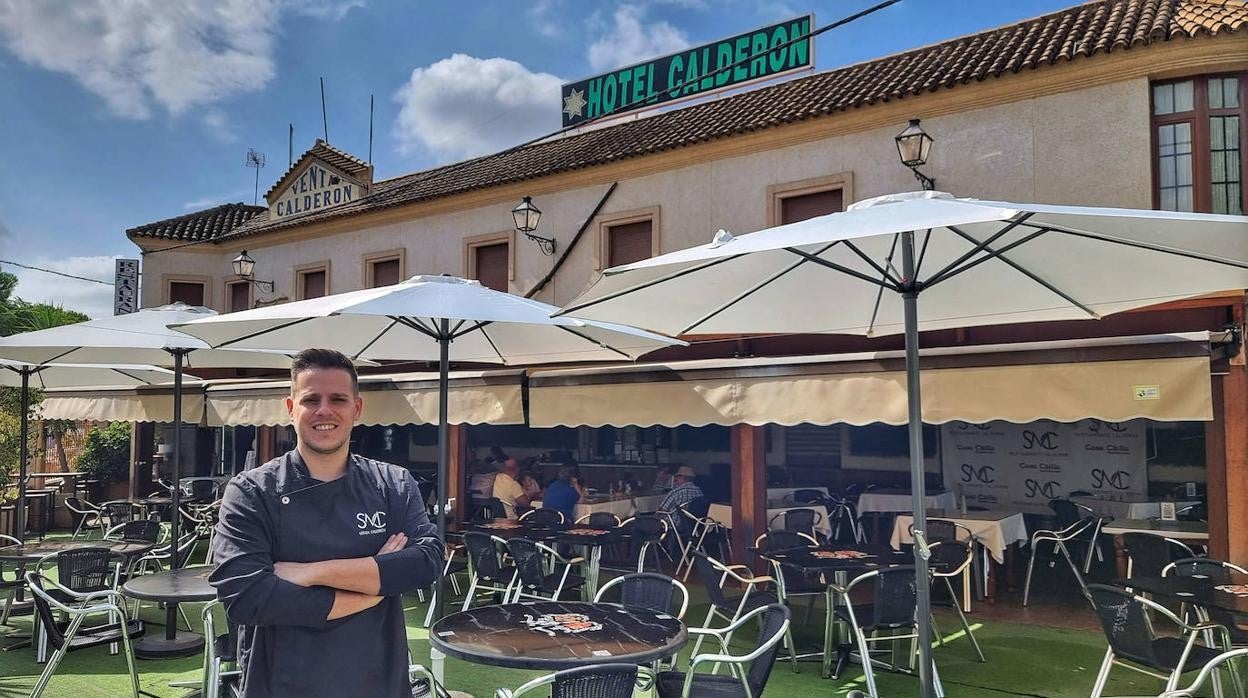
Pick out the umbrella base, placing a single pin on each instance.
(182, 644)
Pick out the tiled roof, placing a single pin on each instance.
(208, 224)
(343, 161)
(1091, 29)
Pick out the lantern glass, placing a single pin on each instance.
(244, 265)
(913, 145)
(526, 216)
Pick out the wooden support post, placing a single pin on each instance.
(456, 486)
(749, 490)
(1226, 447)
(266, 443)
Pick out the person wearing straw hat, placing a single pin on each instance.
(315, 548)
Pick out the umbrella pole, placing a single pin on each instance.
(444, 447)
(923, 609)
(19, 511)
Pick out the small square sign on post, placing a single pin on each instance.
(1167, 511)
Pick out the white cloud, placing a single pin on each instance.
(96, 300)
(629, 39)
(217, 123)
(209, 201)
(142, 55)
(464, 106)
(545, 19)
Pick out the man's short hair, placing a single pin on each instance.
(323, 358)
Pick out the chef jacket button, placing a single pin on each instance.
(285, 500)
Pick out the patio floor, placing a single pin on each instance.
(1052, 649)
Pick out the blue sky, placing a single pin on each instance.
(117, 115)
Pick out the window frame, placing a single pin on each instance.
(471, 244)
(605, 222)
(167, 281)
(1198, 117)
(371, 259)
(777, 193)
(303, 270)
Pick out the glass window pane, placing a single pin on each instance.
(1219, 198)
(1183, 98)
(1232, 132)
(1230, 92)
(1165, 172)
(1168, 200)
(1217, 166)
(1183, 170)
(1232, 166)
(1185, 199)
(1165, 140)
(1215, 93)
(1163, 99)
(1216, 129)
(1183, 137)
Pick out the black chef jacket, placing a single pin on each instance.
(278, 512)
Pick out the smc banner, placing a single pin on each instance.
(1021, 467)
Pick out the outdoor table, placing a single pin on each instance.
(40, 507)
(1128, 508)
(621, 506)
(834, 563)
(554, 635)
(171, 588)
(997, 532)
(144, 503)
(1192, 531)
(890, 501)
(1200, 590)
(722, 513)
(779, 493)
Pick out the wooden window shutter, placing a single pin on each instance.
(629, 242)
(820, 203)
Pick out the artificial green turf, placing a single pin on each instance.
(1023, 660)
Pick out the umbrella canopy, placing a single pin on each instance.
(426, 318)
(971, 262)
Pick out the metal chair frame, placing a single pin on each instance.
(945, 576)
(10, 586)
(618, 581)
(451, 549)
(1203, 675)
(545, 513)
(551, 558)
(980, 564)
(702, 525)
(1059, 539)
(587, 520)
(553, 680)
(476, 584)
(1174, 545)
(216, 668)
(651, 543)
(90, 513)
(751, 583)
(737, 664)
(784, 516)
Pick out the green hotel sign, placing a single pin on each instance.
(757, 55)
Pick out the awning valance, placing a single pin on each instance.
(475, 397)
(153, 404)
(1160, 377)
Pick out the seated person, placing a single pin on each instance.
(683, 491)
(507, 488)
(529, 483)
(563, 494)
(663, 478)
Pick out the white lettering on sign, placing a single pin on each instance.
(315, 189)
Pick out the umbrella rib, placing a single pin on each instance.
(257, 333)
(922, 252)
(837, 267)
(476, 326)
(654, 282)
(1025, 272)
(879, 292)
(393, 321)
(746, 293)
(458, 325)
(979, 247)
(490, 340)
(1147, 246)
(127, 374)
(591, 339)
(882, 270)
(985, 258)
(415, 324)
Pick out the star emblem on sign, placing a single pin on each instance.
(574, 103)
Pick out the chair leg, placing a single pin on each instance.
(706, 623)
(472, 588)
(129, 650)
(1103, 676)
(1031, 564)
(965, 625)
(867, 673)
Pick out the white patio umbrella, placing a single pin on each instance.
(972, 262)
(16, 374)
(427, 318)
(141, 338)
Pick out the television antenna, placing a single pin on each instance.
(255, 159)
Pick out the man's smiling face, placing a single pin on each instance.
(323, 407)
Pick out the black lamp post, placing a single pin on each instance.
(526, 217)
(245, 267)
(913, 147)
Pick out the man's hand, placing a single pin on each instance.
(394, 544)
(358, 574)
(302, 573)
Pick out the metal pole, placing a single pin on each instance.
(19, 511)
(444, 445)
(175, 513)
(910, 298)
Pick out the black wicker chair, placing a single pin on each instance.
(1194, 566)
(220, 655)
(951, 558)
(648, 591)
(750, 671)
(9, 587)
(140, 531)
(488, 573)
(532, 560)
(599, 519)
(598, 681)
(799, 521)
(117, 513)
(648, 533)
(1148, 554)
(1133, 644)
(807, 496)
(544, 517)
(85, 515)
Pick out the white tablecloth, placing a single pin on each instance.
(723, 514)
(892, 501)
(782, 492)
(622, 508)
(995, 534)
(1140, 509)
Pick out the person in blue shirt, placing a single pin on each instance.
(562, 494)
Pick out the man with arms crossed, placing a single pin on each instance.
(314, 548)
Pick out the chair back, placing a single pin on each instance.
(1125, 622)
(698, 506)
(779, 540)
(483, 555)
(203, 491)
(85, 569)
(710, 576)
(949, 556)
(1193, 512)
(530, 563)
(1193, 566)
(544, 517)
(770, 630)
(51, 628)
(895, 597)
(600, 519)
(142, 531)
(648, 591)
(808, 496)
(647, 527)
(79, 506)
(1066, 512)
(801, 520)
(1149, 553)
(118, 512)
(597, 681)
(496, 508)
(940, 529)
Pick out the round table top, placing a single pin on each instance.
(834, 558)
(186, 584)
(40, 549)
(553, 635)
(1227, 591)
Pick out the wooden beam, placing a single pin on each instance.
(266, 443)
(457, 470)
(1215, 474)
(1226, 446)
(749, 490)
